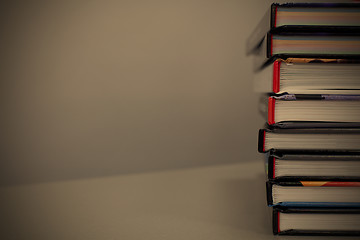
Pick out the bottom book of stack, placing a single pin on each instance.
(316, 221)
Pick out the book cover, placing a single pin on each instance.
(313, 110)
(309, 76)
(310, 140)
(318, 221)
(306, 45)
(312, 167)
(330, 194)
(306, 17)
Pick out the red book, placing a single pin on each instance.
(309, 76)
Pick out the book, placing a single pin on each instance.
(307, 58)
(313, 194)
(313, 167)
(332, 140)
(295, 111)
(306, 17)
(309, 76)
(316, 221)
(306, 45)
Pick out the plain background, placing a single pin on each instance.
(97, 88)
(130, 120)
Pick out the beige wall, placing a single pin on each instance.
(96, 88)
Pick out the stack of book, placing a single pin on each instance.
(307, 61)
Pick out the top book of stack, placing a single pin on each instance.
(307, 30)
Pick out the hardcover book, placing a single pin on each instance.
(313, 167)
(306, 17)
(310, 140)
(299, 111)
(313, 194)
(306, 45)
(309, 76)
(316, 221)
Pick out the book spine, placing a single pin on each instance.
(261, 141)
(271, 111)
(271, 167)
(269, 197)
(273, 16)
(276, 221)
(276, 76)
(269, 46)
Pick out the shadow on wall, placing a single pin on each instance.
(108, 88)
(253, 207)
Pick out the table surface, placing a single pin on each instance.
(216, 202)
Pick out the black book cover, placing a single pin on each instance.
(269, 185)
(309, 157)
(342, 131)
(276, 220)
(264, 56)
(267, 24)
